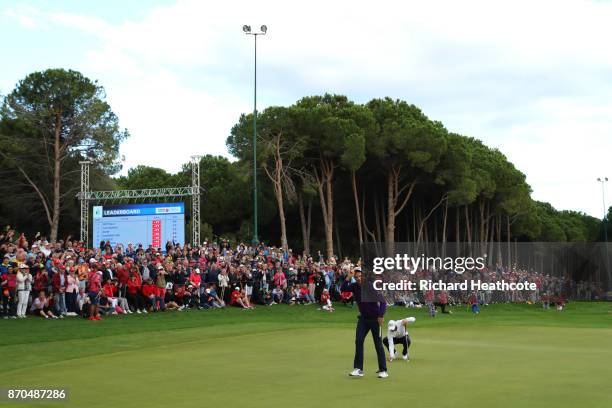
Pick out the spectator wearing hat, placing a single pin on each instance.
(24, 286)
(95, 285)
(160, 283)
(238, 299)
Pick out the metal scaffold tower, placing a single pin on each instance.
(86, 197)
(195, 200)
(84, 203)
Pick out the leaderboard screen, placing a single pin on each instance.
(146, 224)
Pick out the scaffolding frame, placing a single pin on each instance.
(86, 197)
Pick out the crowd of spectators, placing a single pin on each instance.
(54, 280)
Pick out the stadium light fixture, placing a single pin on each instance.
(247, 31)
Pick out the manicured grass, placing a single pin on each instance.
(508, 356)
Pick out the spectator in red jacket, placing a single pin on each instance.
(238, 299)
(443, 301)
(111, 292)
(134, 296)
(94, 279)
(149, 292)
(123, 275)
(41, 281)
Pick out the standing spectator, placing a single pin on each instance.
(72, 288)
(24, 286)
(443, 301)
(95, 279)
(41, 280)
(280, 279)
(10, 291)
(59, 287)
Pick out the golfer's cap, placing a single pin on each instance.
(197, 270)
(391, 325)
(160, 267)
(24, 266)
(92, 260)
(236, 288)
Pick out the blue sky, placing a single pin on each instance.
(531, 78)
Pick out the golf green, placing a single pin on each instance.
(281, 356)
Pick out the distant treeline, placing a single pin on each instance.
(331, 173)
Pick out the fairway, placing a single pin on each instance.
(509, 356)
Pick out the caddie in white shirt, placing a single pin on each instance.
(397, 333)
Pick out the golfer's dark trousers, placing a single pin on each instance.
(404, 341)
(365, 325)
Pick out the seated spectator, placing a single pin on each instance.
(326, 303)
(239, 299)
(277, 295)
(83, 302)
(134, 297)
(305, 295)
(40, 306)
(347, 298)
(149, 293)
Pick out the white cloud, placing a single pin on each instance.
(532, 78)
(25, 15)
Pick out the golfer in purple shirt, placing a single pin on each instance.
(370, 319)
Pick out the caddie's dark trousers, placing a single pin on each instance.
(404, 341)
(363, 327)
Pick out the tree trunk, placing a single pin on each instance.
(356, 198)
(326, 196)
(56, 179)
(390, 227)
(395, 205)
(498, 243)
(444, 229)
(365, 225)
(468, 229)
(305, 223)
(276, 177)
(509, 255)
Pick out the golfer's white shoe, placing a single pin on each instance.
(356, 373)
(383, 374)
(405, 357)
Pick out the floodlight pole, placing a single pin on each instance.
(247, 31)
